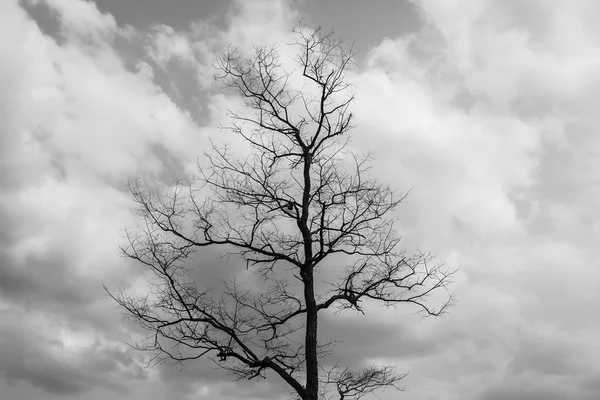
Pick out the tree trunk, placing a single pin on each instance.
(312, 364)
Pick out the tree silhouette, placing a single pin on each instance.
(295, 198)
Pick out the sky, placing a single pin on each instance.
(485, 109)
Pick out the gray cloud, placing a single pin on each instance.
(45, 363)
(523, 393)
(363, 337)
(546, 357)
(489, 113)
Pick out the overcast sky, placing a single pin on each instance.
(487, 109)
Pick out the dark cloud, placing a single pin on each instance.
(256, 390)
(361, 337)
(38, 278)
(46, 282)
(530, 386)
(591, 386)
(363, 23)
(29, 356)
(524, 392)
(50, 377)
(141, 13)
(547, 357)
(185, 381)
(46, 20)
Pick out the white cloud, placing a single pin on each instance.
(167, 44)
(76, 123)
(471, 112)
(81, 21)
(489, 114)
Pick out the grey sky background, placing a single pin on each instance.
(486, 109)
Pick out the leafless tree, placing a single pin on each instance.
(283, 208)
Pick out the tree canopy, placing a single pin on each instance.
(294, 198)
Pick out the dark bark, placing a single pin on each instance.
(312, 362)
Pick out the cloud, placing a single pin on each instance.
(167, 44)
(488, 113)
(76, 123)
(60, 360)
(83, 22)
(485, 114)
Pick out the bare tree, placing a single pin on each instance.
(284, 208)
